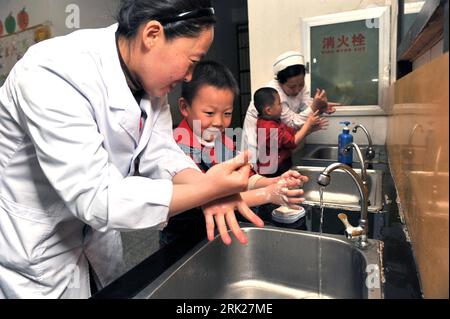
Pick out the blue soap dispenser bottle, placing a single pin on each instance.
(344, 139)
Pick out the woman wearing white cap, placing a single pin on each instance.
(296, 101)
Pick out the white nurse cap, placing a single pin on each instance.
(286, 60)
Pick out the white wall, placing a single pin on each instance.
(93, 14)
(275, 27)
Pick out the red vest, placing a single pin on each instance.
(282, 138)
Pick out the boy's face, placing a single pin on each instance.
(212, 108)
(274, 111)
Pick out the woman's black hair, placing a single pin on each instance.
(290, 72)
(263, 97)
(209, 73)
(180, 18)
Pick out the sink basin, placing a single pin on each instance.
(277, 264)
(342, 191)
(330, 153)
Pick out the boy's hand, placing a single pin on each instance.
(313, 120)
(286, 190)
(322, 125)
(286, 193)
(220, 213)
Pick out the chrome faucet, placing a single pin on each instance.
(359, 233)
(370, 152)
(361, 159)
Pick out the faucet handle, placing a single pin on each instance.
(344, 220)
(350, 231)
(370, 153)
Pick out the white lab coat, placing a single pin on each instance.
(294, 113)
(69, 137)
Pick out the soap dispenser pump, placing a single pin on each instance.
(344, 139)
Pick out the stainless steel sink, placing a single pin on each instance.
(342, 191)
(276, 263)
(330, 153)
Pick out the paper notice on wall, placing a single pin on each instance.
(14, 46)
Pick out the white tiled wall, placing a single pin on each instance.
(376, 125)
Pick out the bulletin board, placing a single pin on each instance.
(14, 46)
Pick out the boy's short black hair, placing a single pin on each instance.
(290, 72)
(209, 73)
(263, 97)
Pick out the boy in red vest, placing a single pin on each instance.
(207, 105)
(275, 139)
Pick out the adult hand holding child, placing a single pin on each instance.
(220, 212)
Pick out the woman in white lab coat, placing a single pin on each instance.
(296, 101)
(86, 140)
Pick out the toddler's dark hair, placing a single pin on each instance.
(263, 97)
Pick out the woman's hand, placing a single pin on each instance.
(320, 102)
(220, 213)
(193, 188)
(230, 177)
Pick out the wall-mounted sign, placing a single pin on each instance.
(344, 62)
(344, 43)
(348, 54)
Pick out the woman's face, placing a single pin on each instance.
(294, 85)
(167, 63)
(211, 110)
